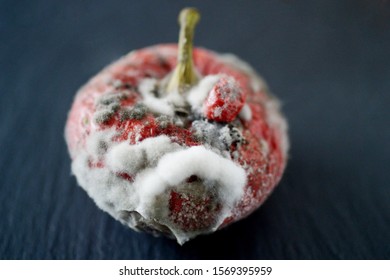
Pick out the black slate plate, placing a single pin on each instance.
(329, 61)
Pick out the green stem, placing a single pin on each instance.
(184, 75)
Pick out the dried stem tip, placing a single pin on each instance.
(184, 75)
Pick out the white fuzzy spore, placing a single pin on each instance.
(158, 105)
(197, 95)
(174, 168)
(245, 113)
(127, 158)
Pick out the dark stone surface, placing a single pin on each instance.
(329, 61)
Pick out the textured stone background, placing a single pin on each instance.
(329, 61)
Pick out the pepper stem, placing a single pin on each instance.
(184, 75)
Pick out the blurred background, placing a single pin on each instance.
(329, 62)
